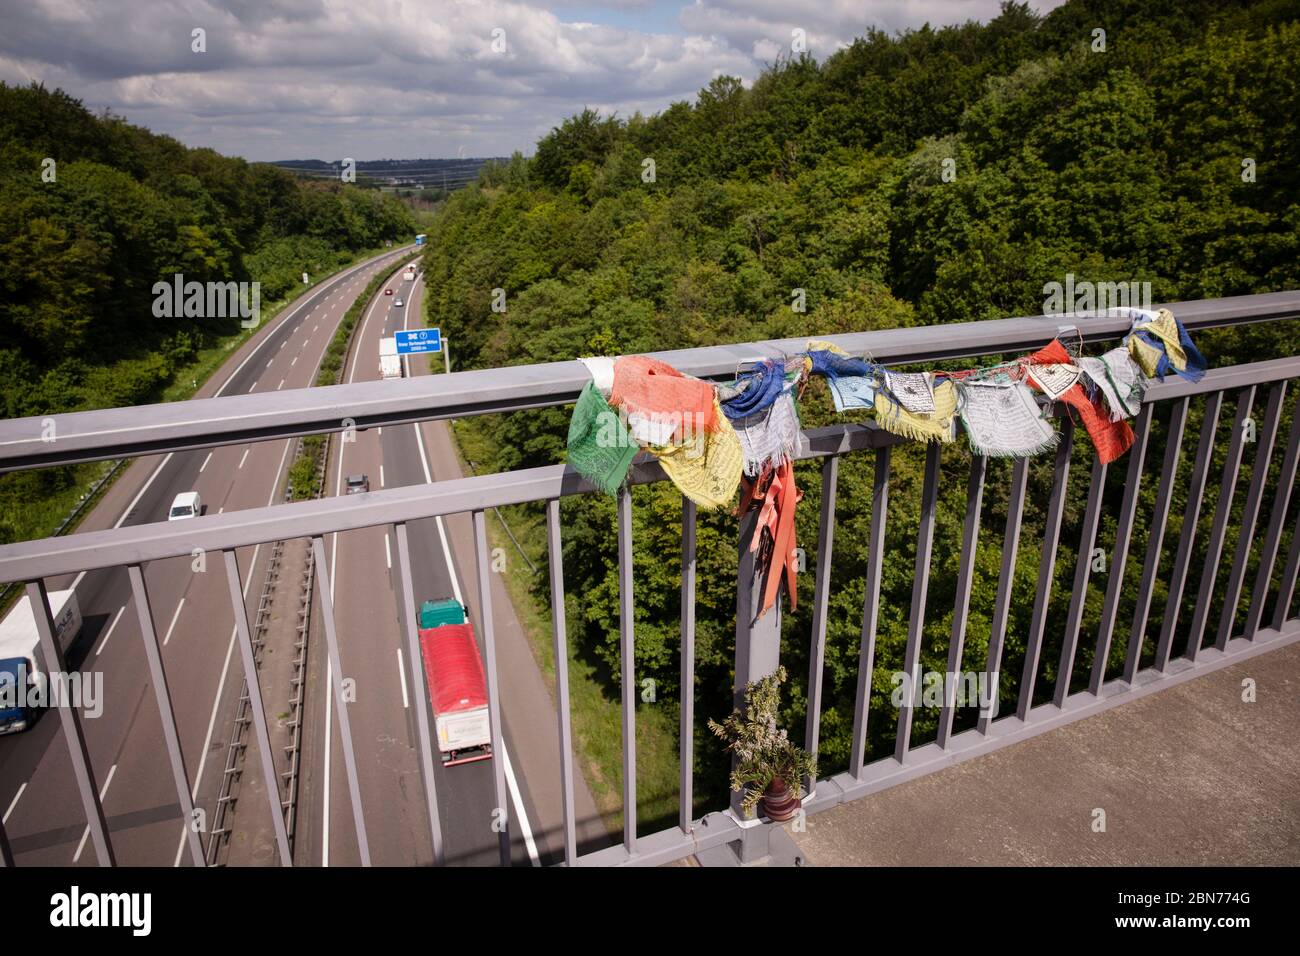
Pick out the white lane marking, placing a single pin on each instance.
(329, 721)
(140, 494)
(280, 386)
(388, 552)
(13, 803)
(86, 833)
(337, 279)
(329, 673)
(442, 531)
(381, 476)
(294, 362)
(109, 633)
(525, 830)
(221, 510)
(269, 361)
(243, 458)
(381, 430)
(401, 676)
(172, 626)
(329, 683)
(284, 343)
(515, 795)
(253, 386)
(225, 668)
(131, 507)
(315, 327)
(205, 463)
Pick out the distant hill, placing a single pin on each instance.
(443, 174)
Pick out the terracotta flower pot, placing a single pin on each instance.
(779, 802)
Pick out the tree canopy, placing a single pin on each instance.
(935, 176)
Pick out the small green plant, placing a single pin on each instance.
(763, 752)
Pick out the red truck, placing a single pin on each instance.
(457, 685)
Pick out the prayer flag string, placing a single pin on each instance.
(708, 437)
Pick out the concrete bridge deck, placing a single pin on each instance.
(1191, 776)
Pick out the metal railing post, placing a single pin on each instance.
(70, 721)
(758, 654)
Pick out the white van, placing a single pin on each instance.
(185, 505)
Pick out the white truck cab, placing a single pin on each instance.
(185, 505)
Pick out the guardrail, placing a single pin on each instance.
(215, 421)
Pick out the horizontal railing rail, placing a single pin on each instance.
(204, 423)
(48, 557)
(1247, 387)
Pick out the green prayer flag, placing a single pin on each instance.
(600, 446)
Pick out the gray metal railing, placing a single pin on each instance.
(91, 435)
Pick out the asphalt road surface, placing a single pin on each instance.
(363, 565)
(191, 614)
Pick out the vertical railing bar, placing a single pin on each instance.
(1155, 545)
(870, 609)
(6, 851)
(686, 744)
(326, 591)
(1219, 527)
(494, 688)
(419, 687)
(166, 713)
(1276, 522)
(70, 722)
(560, 638)
(1082, 569)
(1046, 568)
(1287, 588)
(1006, 582)
(1250, 516)
(627, 669)
(258, 712)
(920, 587)
(821, 595)
(1187, 538)
(961, 604)
(1119, 556)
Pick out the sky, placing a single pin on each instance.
(378, 79)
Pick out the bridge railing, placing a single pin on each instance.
(87, 436)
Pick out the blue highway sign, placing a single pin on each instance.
(419, 340)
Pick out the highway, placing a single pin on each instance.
(373, 653)
(38, 798)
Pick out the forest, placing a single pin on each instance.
(1113, 140)
(94, 211)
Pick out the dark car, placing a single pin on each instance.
(358, 484)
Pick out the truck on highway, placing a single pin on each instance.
(390, 363)
(409, 275)
(20, 656)
(453, 668)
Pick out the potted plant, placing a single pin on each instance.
(769, 767)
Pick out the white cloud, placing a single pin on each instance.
(383, 78)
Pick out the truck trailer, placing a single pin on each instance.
(390, 363)
(20, 656)
(453, 668)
